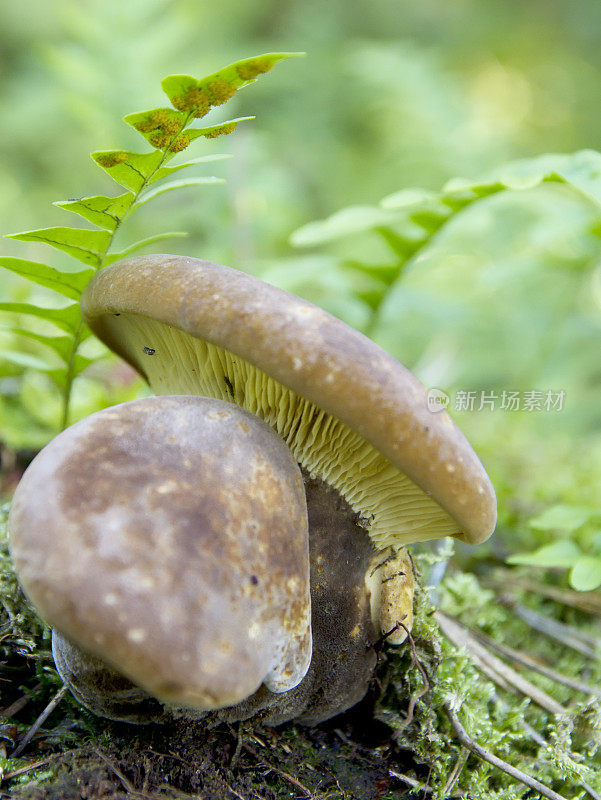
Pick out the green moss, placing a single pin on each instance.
(494, 719)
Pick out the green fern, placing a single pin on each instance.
(409, 220)
(169, 131)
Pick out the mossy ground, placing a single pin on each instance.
(369, 753)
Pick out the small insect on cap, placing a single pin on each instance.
(349, 412)
(168, 537)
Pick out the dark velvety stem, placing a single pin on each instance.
(343, 659)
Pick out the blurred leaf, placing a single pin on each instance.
(562, 517)
(177, 184)
(41, 399)
(68, 317)
(158, 237)
(61, 345)
(586, 573)
(348, 221)
(563, 553)
(84, 245)
(81, 362)
(581, 170)
(163, 172)
(26, 360)
(321, 281)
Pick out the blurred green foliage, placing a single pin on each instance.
(393, 95)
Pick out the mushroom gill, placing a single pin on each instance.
(393, 509)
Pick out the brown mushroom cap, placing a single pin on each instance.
(350, 413)
(168, 537)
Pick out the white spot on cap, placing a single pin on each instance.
(297, 363)
(165, 488)
(136, 634)
(110, 599)
(254, 631)
(450, 467)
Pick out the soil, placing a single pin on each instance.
(351, 757)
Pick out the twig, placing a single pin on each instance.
(40, 721)
(18, 704)
(456, 771)
(427, 786)
(493, 667)
(532, 732)
(568, 636)
(414, 662)
(589, 602)
(542, 742)
(467, 741)
(239, 741)
(531, 663)
(289, 778)
(28, 768)
(233, 791)
(417, 785)
(127, 784)
(590, 791)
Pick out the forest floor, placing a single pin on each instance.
(534, 704)
(350, 757)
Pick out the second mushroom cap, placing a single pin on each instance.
(168, 536)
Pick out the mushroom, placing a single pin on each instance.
(188, 593)
(374, 458)
(165, 540)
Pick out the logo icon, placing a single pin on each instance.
(437, 400)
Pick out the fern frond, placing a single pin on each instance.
(61, 345)
(69, 284)
(105, 212)
(67, 318)
(84, 245)
(158, 237)
(169, 131)
(164, 172)
(409, 220)
(182, 183)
